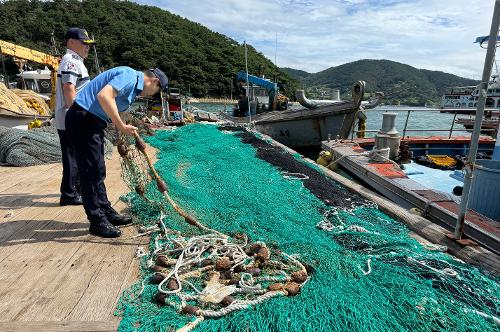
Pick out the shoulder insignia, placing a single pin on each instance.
(71, 66)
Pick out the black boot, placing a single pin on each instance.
(117, 219)
(71, 201)
(104, 229)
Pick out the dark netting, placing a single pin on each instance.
(327, 259)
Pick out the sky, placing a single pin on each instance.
(313, 35)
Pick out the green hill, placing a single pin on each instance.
(296, 74)
(195, 58)
(401, 83)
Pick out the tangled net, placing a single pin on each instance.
(208, 275)
(32, 147)
(29, 147)
(364, 271)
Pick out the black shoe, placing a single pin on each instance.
(104, 229)
(119, 219)
(71, 201)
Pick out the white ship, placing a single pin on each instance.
(467, 96)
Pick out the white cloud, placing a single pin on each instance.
(314, 35)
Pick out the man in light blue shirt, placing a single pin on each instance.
(97, 105)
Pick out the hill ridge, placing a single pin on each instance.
(400, 82)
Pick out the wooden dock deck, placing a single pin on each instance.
(54, 275)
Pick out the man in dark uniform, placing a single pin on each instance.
(72, 76)
(97, 105)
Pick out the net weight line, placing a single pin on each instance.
(215, 258)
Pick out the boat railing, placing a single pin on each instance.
(449, 130)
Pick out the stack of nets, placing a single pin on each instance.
(29, 147)
(363, 272)
(33, 147)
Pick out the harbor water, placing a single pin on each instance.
(429, 122)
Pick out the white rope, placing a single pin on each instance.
(239, 305)
(140, 252)
(490, 318)
(191, 325)
(435, 247)
(369, 267)
(191, 252)
(446, 271)
(294, 176)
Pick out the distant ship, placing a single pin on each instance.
(466, 97)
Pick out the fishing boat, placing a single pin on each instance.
(463, 100)
(489, 125)
(305, 127)
(438, 187)
(431, 188)
(20, 107)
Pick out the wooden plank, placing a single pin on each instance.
(27, 193)
(26, 273)
(58, 326)
(26, 174)
(23, 220)
(65, 263)
(58, 291)
(63, 290)
(38, 228)
(23, 217)
(106, 286)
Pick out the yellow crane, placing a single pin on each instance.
(52, 62)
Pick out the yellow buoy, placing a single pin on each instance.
(324, 158)
(35, 124)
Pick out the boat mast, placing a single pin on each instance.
(483, 88)
(248, 84)
(276, 49)
(96, 59)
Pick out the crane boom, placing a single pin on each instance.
(25, 53)
(266, 84)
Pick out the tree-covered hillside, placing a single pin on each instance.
(296, 74)
(401, 83)
(195, 58)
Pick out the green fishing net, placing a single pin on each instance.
(365, 272)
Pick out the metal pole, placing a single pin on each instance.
(231, 88)
(6, 77)
(452, 125)
(96, 59)
(406, 123)
(488, 64)
(164, 108)
(248, 84)
(276, 50)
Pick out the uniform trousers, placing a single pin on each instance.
(86, 133)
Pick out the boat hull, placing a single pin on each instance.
(305, 127)
(11, 121)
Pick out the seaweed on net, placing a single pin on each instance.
(367, 273)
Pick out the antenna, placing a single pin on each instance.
(248, 84)
(53, 46)
(96, 59)
(276, 50)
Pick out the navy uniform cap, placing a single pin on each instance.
(80, 34)
(162, 77)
